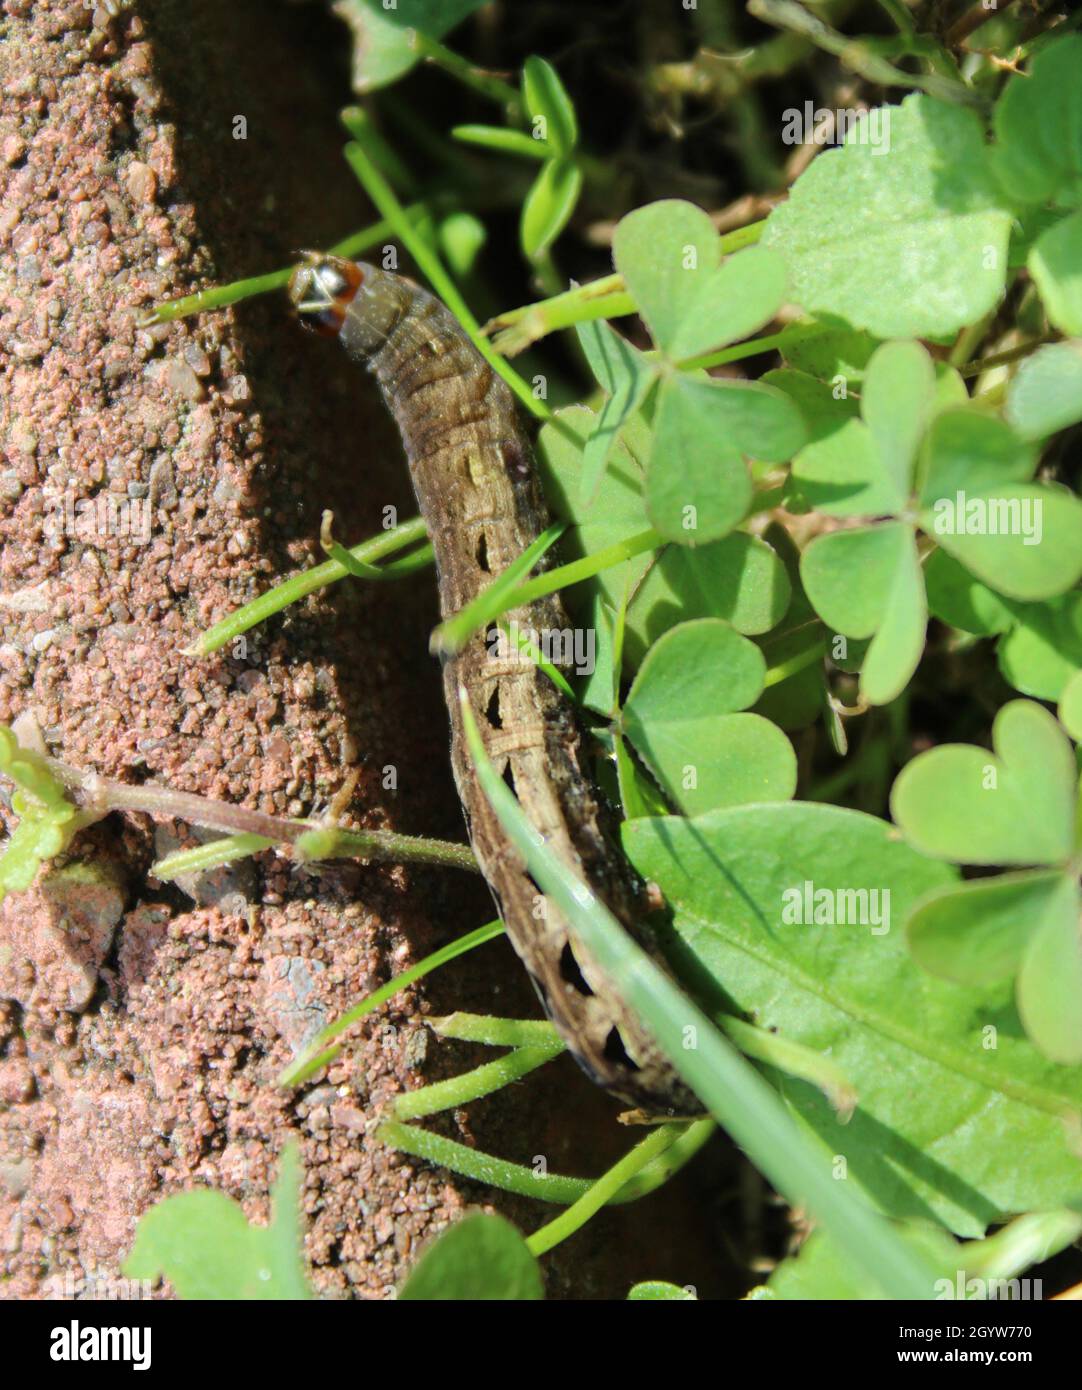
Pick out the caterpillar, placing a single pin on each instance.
(478, 491)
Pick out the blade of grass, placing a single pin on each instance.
(323, 1049)
(381, 193)
(221, 296)
(586, 568)
(292, 590)
(453, 634)
(529, 1182)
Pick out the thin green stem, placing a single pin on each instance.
(496, 1032)
(454, 632)
(1001, 359)
(308, 581)
(221, 296)
(772, 342)
(784, 669)
(606, 298)
(481, 1167)
(324, 1049)
(383, 196)
(213, 855)
(471, 1085)
(383, 847)
(586, 568)
(604, 1189)
(477, 79)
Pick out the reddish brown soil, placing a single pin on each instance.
(140, 1034)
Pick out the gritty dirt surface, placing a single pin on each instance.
(140, 1032)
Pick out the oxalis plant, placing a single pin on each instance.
(827, 465)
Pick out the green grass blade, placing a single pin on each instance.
(453, 634)
(242, 619)
(323, 1050)
(381, 193)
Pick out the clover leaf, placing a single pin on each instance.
(692, 300)
(1014, 806)
(905, 237)
(681, 716)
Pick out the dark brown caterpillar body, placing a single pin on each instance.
(478, 491)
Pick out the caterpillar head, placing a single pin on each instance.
(321, 290)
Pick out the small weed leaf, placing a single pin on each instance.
(697, 485)
(549, 205)
(669, 254)
(47, 820)
(625, 376)
(957, 598)
(1013, 806)
(896, 405)
(480, 1257)
(965, 483)
(1016, 807)
(656, 1290)
(1038, 159)
(1043, 650)
(670, 257)
(977, 503)
(738, 578)
(949, 1085)
(1070, 707)
(868, 583)
(910, 241)
(823, 410)
(1023, 925)
(680, 715)
(1038, 127)
(202, 1243)
(546, 99)
(385, 44)
(1055, 262)
(1045, 394)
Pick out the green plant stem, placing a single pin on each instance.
(382, 847)
(221, 296)
(487, 84)
(324, 1048)
(471, 1085)
(382, 195)
(784, 669)
(771, 342)
(586, 568)
(529, 1182)
(605, 298)
(209, 856)
(604, 1189)
(496, 1032)
(308, 581)
(481, 1167)
(1001, 359)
